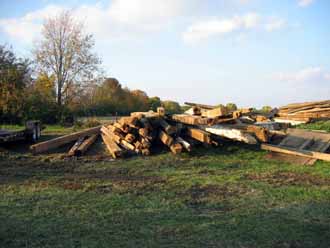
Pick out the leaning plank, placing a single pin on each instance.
(199, 135)
(113, 148)
(296, 152)
(57, 142)
(111, 135)
(76, 145)
(231, 133)
(86, 145)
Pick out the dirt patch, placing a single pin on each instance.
(199, 195)
(289, 178)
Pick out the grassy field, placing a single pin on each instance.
(229, 196)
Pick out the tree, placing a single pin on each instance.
(171, 107)
(266, 109)
(65, 51)
(14, 77)
(231, 106)
(154, 103)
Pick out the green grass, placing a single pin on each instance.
(320, 125)
(229, 196)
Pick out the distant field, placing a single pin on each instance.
(229, 196)
(102, 119)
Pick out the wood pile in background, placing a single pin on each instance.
(299, 113)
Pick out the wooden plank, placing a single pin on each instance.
(230, 133)
(57, 142)
(165, 138)
(113, 148)
(191, 119)
(296, 152)
(203, 106)
(83, 148)
(75, 147)
(199, 135)
(220, 111)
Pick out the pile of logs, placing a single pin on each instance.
(145, 133)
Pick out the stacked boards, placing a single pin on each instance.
(304, 112)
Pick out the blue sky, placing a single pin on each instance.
(251, 52)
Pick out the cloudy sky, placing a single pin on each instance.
(252, 52)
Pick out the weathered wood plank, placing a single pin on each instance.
(296, 152)
(199, 135)
(57, 142)
(230, 133)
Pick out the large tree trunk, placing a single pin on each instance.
(59, 94)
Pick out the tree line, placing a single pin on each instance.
(63, 79)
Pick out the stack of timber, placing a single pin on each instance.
(297, 113)
(144, 132)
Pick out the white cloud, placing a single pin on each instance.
(204, 29)
(147, 14)
(305, 76)
(274, 23)
(117, 18)
(27, 27)
(305, 3)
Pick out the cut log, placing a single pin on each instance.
(231, 133)
(57, 142)
(82, 149)
(216, 112)
(75, 147)
(184, 143)
(165, 138)
(199, 135)
(113, 148)
(161, 111)
(169, 129)
(127, 145)
(296, 152)
(176, 148)
(130, 138)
